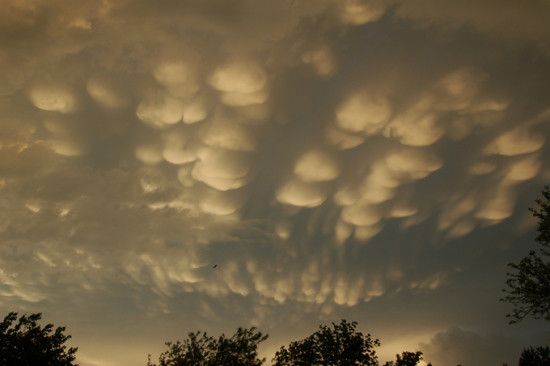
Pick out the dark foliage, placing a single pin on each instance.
(25, 343)
(406, 359)
(201, 349)
(339, 345)
(539, 356)
(529, 284)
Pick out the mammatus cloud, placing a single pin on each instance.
(328, 158)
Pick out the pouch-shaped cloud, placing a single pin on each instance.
(236, 99)
(222, 184)
(461, 228)
(361, 215)
(25, 293)
(182, 271)
(379, 186)
(322, 60)
(358, 12)
(346, 196)
(106, 92)
(342, 231)
(302, 194)
(457, 83)
(340, 139)
(242, 82)
(226, 134)
(233, 279)
(500, 206)
(222, 163)
(221, 169)
(58, 126)
(400, 211)
(184, 176)
(517, 141)
(364, 113)
(222, 203)
(460, 88)
(481, 168)
(149, 154)
(488, 105)
(254, 114)
(524, 169)
(347, 292)
(176, 148)
(178, 77)
(172, 73)
(417, 126)
(239, 76)
(310, 280)
(413, 164)
(364, 233)
(195, 111)
(375, 288)
(383, 175)
(160, 109)
(416, 130)
(157, 274)
(80, 23)
(316, 166)
(65, 147)
(456, 209)
(53, 96)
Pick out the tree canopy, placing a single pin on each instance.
(539, 356)
(406, 359)
(339, 345)
(25, 343)
(528, 286)
(200, 349)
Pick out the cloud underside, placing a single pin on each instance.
(306, 150)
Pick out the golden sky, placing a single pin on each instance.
(366, 160)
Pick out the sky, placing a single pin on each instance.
(372, 161)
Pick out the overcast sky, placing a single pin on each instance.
(367, 160)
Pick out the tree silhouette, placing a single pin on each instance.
(201, 349)
(539, 356)
(25, 343)
(529, 285)
(339, 345)
(406, 359)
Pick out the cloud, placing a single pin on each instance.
(329, 158)
(491, 18)
(516, 142)
(51, 96)
(465, 347)
(316, 166)
(362, 113)
(107, 92)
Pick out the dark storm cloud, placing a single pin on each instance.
(470, 348)
(333, 160)
(502, 20)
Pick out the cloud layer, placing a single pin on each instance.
(331, 159)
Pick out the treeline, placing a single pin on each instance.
(24, 342)
(340, 344)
